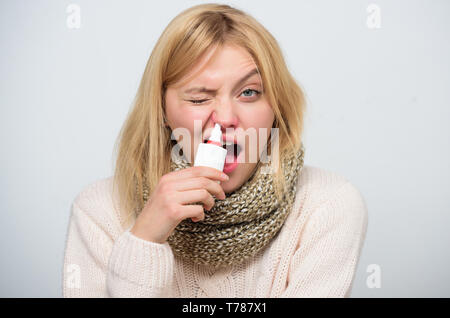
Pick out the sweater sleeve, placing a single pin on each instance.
(96, 265)
(327, 256)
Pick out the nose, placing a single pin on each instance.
(225, 117)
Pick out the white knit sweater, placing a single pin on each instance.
(315, 254)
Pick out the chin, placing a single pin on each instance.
(230, 185)
(227, 186)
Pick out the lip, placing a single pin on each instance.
(233, 140)
(225, 138)
(230, 167)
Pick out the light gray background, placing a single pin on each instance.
(378, 114)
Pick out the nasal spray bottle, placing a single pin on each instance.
(211, 154)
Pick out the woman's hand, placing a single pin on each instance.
(171, 201)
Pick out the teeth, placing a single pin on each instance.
(229, 143)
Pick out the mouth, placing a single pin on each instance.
(231, 160)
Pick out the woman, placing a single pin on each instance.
(164, 228)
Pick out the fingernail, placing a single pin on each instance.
(226, 176)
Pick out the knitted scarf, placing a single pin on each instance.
(242, 224)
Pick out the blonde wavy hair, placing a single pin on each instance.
(143, 147)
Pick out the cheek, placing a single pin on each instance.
(259, 118)
(186, 120)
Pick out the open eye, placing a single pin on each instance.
(252, 90)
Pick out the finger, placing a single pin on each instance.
(195, 212)
(200, 183)
(193, 196)
(198, 171)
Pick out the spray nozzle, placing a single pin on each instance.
(216, 134)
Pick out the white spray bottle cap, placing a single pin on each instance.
(212, 154)
(216, 134)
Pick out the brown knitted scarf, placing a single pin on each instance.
(239, 226)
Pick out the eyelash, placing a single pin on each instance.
(200, 101)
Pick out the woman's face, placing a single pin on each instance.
(233, 97)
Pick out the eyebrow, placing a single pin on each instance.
(213, 91)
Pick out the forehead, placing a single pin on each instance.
(225, 63)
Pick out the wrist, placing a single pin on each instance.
(144, 234)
